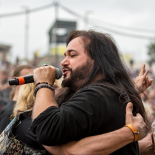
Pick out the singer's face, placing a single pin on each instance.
(77, 63)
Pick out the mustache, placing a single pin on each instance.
(67, 68)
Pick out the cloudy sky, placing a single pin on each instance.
(130, 22)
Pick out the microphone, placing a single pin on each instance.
(29, 78)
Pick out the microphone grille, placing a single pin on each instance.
(58, 73)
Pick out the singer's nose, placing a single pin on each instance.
(65, 62)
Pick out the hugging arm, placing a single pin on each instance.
(105, 143)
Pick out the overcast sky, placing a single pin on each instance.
(128, 13)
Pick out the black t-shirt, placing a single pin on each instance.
(91, 111)
(22, 132)
(5, 115)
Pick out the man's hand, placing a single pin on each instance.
(136, 121)
(44, 74)
(142, 81)
(146, 145)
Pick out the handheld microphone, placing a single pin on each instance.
(29, 78)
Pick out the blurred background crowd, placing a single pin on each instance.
(130, 23)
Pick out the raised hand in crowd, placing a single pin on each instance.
(142, 81)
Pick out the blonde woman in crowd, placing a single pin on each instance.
(21, 131)
(8, 109)
(25, 100)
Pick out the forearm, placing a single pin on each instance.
(44, 99)
(105, 144)
(101, 144)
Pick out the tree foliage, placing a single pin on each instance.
(151, 50)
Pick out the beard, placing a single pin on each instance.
(81, 73)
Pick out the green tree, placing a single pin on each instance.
(151, 51)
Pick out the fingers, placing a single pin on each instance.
(148, 82)
(145, 77)
(142, 70)
(129, 109)
(141, 120)
(137, 114)
(140, 126)
(145, 74)
(45, 73)
(140, 117)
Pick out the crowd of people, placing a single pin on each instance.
(91, 114)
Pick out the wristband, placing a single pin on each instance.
(42, 86)
(43, 83)
(134, 131)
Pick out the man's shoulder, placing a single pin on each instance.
(97, 87)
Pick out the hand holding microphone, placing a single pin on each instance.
(42, 74)
(45, 74)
